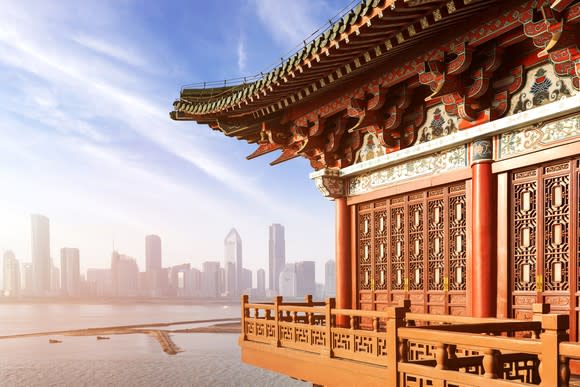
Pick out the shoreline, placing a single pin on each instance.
(123, 328)
(163, 336)
(118, 301)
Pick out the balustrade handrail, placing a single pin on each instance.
(409, 316)
(325, 331)
(260, 306)
(491, 327)
(570, 350)
(361, 313)
(472, 340)
(304, 309)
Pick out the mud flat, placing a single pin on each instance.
(161, 335)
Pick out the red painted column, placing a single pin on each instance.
(484, 231)
(343, 264)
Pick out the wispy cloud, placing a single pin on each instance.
(56, 64)
(122, 54)
(292, 23)
(242, 55)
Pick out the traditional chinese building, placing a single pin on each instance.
(447, 132)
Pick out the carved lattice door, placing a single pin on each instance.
(414, 246)
(545, 238)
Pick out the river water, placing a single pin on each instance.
(125, 360)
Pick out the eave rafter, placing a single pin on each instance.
(470, 76)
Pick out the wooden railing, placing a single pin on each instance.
(421, 349)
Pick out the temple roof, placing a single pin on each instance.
(371, 33)
(381, 68)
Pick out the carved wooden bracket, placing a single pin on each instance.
(330, 184)
(566, 63)
(544, 26)
(503, 88)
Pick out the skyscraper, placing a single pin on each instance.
(153, 267)
(152, 253)
(288, 281)
(124, 275)
(11, 274)
(27, 279)
(70, 275)
(210, 279)
(233, 263)
(277, 254)
(330, 278)
(261, 279)
(305, 278)
(41, 268)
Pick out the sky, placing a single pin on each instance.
(86, 139)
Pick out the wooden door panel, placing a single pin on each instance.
(405, 251)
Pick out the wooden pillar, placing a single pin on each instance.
(332, 185)
(484, 231)
(343, 264)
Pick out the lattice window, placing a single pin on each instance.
(457, 213)
(556, 232)
(524, 252)
(415, 242)
(397, 248)
(365, 251)
(415, 248)
(381, 249)
(436, 258)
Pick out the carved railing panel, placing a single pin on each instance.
(460, 351)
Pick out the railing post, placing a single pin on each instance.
(406, 305)
(277, 302)
(395, 321)
(330, 304)
(490, 363)
(554, 328)
(245, 299)
(538, 309)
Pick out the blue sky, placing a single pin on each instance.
(85, 136)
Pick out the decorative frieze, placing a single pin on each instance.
(542, 87)
(432, 164)
(538, 136)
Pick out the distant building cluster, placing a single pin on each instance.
(42, 278)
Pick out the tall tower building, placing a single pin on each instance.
(233, 263)
(330, 278)
(305, 278)
(11, 274)
(261, 279)
(277, 254)
(152, 253)
(41, 268)
(154, 277)
(70, 275)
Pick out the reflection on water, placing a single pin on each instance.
(124, 360)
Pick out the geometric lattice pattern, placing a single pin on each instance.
(413, 243)
(544, 239)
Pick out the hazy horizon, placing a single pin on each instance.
(86, 139)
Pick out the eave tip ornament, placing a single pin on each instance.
(329, 183)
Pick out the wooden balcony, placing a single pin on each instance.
(318, 343)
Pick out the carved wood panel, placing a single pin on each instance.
(414, 246)
(544, 237)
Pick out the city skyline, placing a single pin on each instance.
(87, 102)
(141, 257)
(60, 277)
